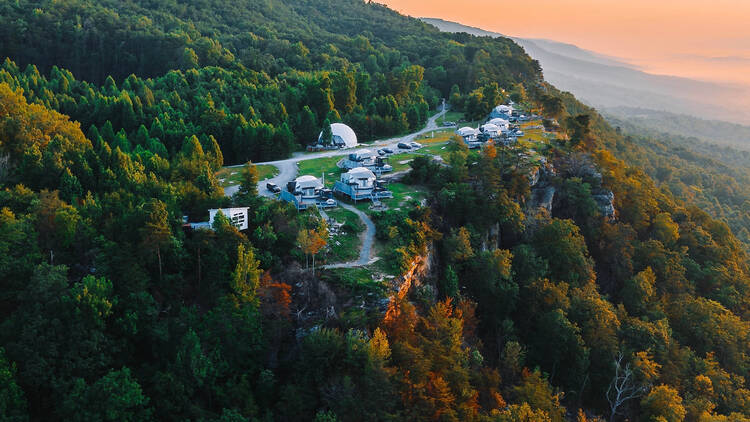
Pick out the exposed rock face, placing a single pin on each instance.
(542, 192)
(542, 197)
(534, 175)
(606, 201)
(582, 166)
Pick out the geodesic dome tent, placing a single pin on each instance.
(343, 136)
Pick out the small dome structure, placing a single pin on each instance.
(503, 111)
(343, 136)
(466, 131)
(489, 127)
(358, 174)
(307, 182)
(501, 123)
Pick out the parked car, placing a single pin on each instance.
(381, 152)
(273, 187)
(388, 150)
(447, 124)
(403, 145)
(415, 145)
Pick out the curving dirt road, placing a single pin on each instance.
(368, 240)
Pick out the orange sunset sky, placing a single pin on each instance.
(701, 39)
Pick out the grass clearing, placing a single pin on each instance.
(343, 247)
(450, 116)
(358, 281)
(403, 195)
(436, 136)
(319, 166)
(230, 176)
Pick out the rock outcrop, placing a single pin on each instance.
(605, 199)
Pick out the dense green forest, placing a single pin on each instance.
(260, 77)
(711, 175)
(115, 117)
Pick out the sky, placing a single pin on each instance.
(699, 39)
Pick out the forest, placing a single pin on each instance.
(115, 117)
(708, 173)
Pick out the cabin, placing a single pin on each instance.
(361, 184)
(502, 111)
(503, 124)
(491, 131)
(368, 159)
(470, 136)
(308, 191)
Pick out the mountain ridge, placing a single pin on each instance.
(621, 84)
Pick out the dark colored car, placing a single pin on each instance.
(381, 152)
(273, 187)
(388, 150)
(404, 145)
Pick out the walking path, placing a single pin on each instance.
(368, 240)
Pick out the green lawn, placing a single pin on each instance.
(345, 246)
(319, 166)
(451, 116)
(358, 281)
(403, 195)
(437, 136)
(231, 176)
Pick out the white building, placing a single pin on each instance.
(360, 183)
(308, 191)
(343, 136)
(238, 216)
(362, 177)
(468, 133)
(502, 111)
(501, 123)
(491, 130)
(307, 186)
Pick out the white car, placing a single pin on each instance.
(415, 145)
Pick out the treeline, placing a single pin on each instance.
(112, 38)
(660, 123)
(249, 116)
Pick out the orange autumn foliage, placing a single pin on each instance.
(274, 297)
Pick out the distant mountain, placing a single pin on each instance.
(713, 131)
(607, 82)
(568, 50)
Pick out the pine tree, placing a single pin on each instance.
(326, 137)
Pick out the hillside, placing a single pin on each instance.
(604, 82)
(545, 276)
(710, 131)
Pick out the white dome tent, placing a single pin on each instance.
(343, 136)
(308, 182)
(501, 123)
(360, 176)
(467, 131)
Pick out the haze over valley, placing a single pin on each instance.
(609, 83)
